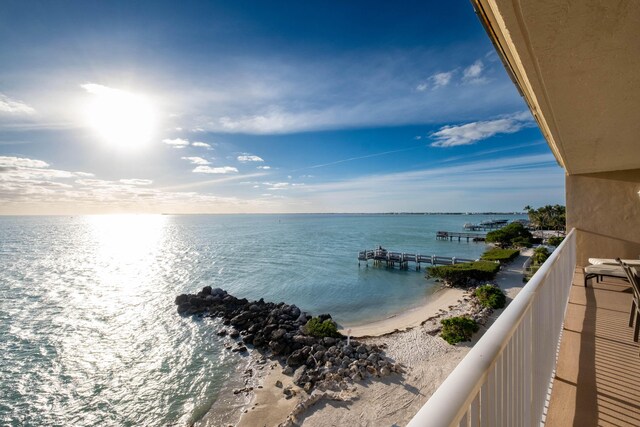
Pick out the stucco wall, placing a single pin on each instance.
(605, 210)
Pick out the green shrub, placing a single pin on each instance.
(464, 274)
(501, 255)
(491, 296)
(457, 329)
(540, 255)
(522, 242)
(506, 236)
(317, 328)
(555, 240)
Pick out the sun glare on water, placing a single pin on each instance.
(122, 119)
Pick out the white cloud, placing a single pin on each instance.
(218, 170)
(470, 133)
(277, 185)
(12, 106)
(201, 144)
(264, 167)
(176, 142)
(441, 79)
(473, 73)
(436, 81)
(196, 160)
(84, 174)
(21, 162)
(134, 181)
(245, 159)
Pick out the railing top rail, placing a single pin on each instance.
(453, 397)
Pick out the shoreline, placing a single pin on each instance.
(441, 300)
(411, 339)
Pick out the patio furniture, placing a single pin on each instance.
(603, 270)
(632, 276)
(611, 261)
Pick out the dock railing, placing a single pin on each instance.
(505, 378)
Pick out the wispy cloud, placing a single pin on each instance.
(13, 106)
(134, 181)
(21, 162)
(317, 94)
(30, 185)
(264, 167)
(441, 79)
(201, 145)
(436, 81)
(176, 142)
(250, 158)
(215, 170)
(350, 159)
(512, 183)
(470, 133)
(196, 160)
(473, 73)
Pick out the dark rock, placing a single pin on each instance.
(288, 370)
(329, 341)
(181, 299)
(324, 317)
(298, 374)
(206, 290)
(295, 359)
(278, 333)
(278, 384)
(234, 333)
(240, 348)
(184, 307)
(276, 346)
(288, 392)
(221, 332)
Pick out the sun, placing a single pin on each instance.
(122, 119)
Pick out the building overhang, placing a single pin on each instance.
(577, 65)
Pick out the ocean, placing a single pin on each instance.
(89, 333)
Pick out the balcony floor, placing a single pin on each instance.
(597, 380)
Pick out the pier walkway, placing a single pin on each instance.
(403, 259)
(450, 235)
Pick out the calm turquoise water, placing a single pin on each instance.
(89, 334)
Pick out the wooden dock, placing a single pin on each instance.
(402, 259)
(450, 235)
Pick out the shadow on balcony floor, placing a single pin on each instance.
(597, 380)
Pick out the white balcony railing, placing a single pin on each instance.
(505, 379)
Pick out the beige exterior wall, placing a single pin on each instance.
(605, 210)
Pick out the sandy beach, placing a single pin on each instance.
(442, 299)
(411, 339)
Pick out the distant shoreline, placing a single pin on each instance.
(264, 213)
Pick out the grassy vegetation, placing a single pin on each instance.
(491, 296)
(465, 274)
(458, 329)
(317, 328)
(501, 255)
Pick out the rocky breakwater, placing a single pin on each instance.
(315, 358)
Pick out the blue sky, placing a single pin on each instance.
(221, 107)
